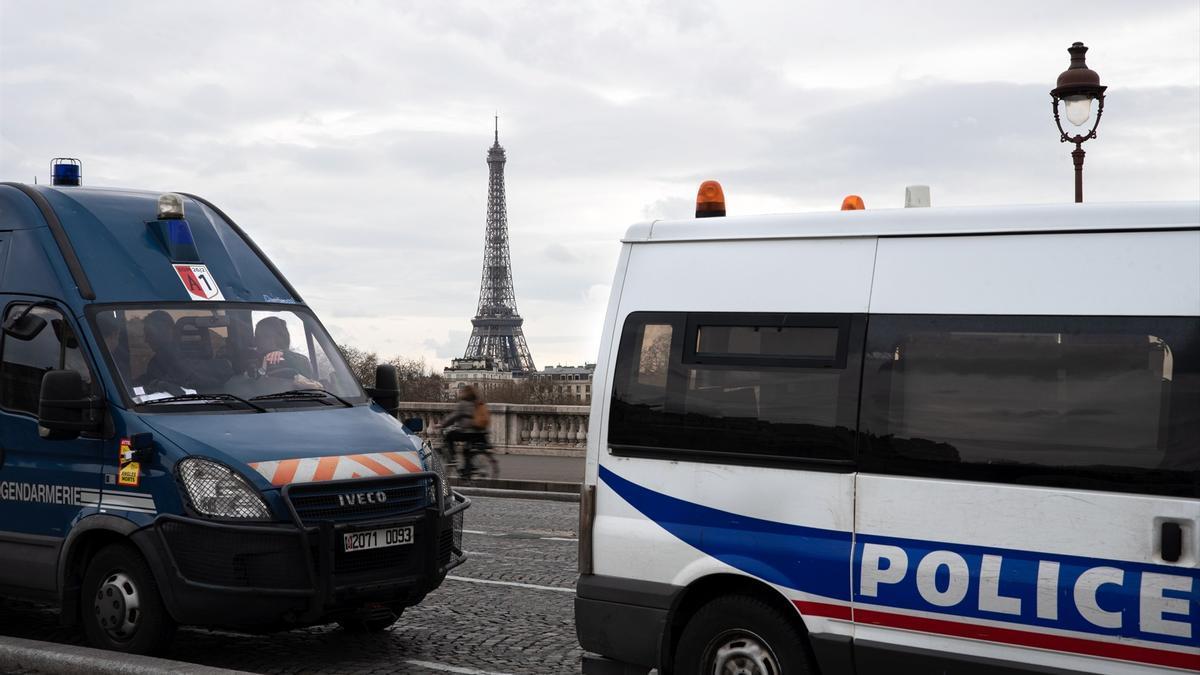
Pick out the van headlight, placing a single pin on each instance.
(216, 490)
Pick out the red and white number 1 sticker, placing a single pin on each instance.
(199, 282)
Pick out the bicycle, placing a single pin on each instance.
(478, 449)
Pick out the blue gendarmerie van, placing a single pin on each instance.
(181, 442)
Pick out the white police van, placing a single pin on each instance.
(898, 441)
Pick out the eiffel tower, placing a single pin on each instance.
(496, 335)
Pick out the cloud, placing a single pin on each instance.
(559, 253)
(350, 140)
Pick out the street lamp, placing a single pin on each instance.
(1078, 87)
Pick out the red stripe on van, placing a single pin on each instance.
(823, 609)
(1062, 643)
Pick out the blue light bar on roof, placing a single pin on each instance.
(176, 237)
(66, 171)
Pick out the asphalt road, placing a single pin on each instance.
(533, 467)
(507, 610)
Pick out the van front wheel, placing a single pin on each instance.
(121, 606)
(741, 634)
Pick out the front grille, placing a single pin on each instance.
(359, 501)
(259, 559)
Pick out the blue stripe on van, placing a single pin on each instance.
(819, 562)
(809, 559)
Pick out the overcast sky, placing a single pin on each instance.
(349, 138)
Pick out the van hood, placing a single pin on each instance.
(296, 446)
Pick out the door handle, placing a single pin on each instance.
(1171, 541)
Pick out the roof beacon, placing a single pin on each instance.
(170, 207)
(853, 203)
(173, 230)
(66, 171)
(916, 195)
(710, 200)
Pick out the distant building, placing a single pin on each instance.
(480, 372)
(568, 382)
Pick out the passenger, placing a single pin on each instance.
(162, 370)
(469, 421)
(169, 370)
(273, 342)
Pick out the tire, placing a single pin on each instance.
(741, 634)
(486, 466)
(374, 624)
(120, 604)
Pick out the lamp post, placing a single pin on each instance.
(1078, 86)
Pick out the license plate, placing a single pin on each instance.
(369, 539)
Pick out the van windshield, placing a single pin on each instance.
(224, 351)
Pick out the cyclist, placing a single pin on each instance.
(468, 422)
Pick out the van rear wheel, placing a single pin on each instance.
(121, 607)
(741, 635)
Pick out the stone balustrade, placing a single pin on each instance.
(519, 428)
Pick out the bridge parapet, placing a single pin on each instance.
(518, 428)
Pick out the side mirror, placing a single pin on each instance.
(387, 389)
(142, 447)
(414, 424)
(24, 326)
(65, 408)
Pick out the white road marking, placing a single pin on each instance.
(518, 584)
(460, 670)
(506, 534)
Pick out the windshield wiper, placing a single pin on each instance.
(304, 394)
(224, 398)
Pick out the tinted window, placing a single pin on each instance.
(1105, 403)
(209, 348)
(54, 347)
(735, 386)
(801, 342)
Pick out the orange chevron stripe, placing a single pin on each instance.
(285, 472)
(325, 469)
(403, 461)
(373, 465)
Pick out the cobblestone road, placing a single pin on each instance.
(507, 610)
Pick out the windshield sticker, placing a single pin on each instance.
(317, 469)
(198, 282)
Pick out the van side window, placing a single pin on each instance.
(1108, 403)
(54, 347)
(735, 387)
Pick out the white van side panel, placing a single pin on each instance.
(1020, 526)
(1102, 274)
(813, 276)
(601, 378)
(1031, 601)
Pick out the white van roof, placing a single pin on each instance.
(1094, 217)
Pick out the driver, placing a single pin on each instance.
(273, 342)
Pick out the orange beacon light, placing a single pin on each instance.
(853, 203)
(710, 200)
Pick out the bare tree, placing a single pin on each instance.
(417, 382)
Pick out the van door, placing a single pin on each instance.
(727, 442)
(1029, 486)
(43, 483)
